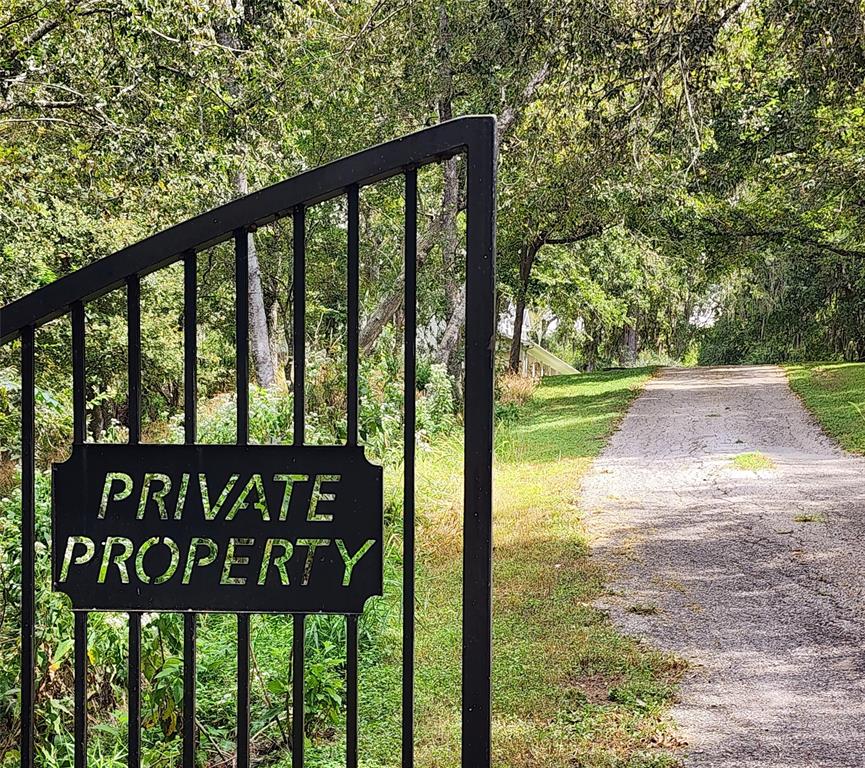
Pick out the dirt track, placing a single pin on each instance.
(756, 578)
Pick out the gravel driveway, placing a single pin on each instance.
(755, 577)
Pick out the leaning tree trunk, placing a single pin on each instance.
(390, 303)
(449, 344)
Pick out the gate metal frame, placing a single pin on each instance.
(476, 137)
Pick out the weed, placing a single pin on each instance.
(644, 609)
(809, 518)
(753, 461)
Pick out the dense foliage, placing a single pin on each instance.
(270, 421)
(678, 181)
(672, 161)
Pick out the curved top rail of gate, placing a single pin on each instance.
(472, 135)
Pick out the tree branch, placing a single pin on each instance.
(778, 235)
(590, 230)
(512, 111)
(390, 304)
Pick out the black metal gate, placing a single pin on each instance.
(474, 136)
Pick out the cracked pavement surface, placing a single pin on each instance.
(755, 577)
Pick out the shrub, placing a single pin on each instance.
(435, 408)
(53, 421)
(423, 373)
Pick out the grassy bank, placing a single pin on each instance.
(835, 394)
(568, 689)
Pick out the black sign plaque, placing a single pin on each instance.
(258, 529)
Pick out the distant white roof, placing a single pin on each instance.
(547, 358)
(544, 356)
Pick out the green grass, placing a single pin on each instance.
(568, 688)
(753, 461)
(835, 395)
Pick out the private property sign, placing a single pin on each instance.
(259, 529)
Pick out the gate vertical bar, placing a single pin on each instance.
(133, 419)
(28, 537)
(353, 323)
(299, 322)
(190, 423)
(299, 353)
(477, 524)
(80, 689)
(241, 278)
(297, 692)
(134, 716)
(79, 414)
(190, 348)
(410, 310)
(351, 692)
(352, 313)
(133, 338)
(241, 310)
(242, 690)
(190, 636)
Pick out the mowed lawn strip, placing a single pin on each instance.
(568, 689)
(835, 394)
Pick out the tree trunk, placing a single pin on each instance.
(276, 341)
(455, 291)
(383, 313)
(517, 339)
(449, 343)
(450, 235)
(450, 192)
(259, 335)
(390, 303)
(629, 344)
(263, 361)
(262, 350)
(527, 260)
